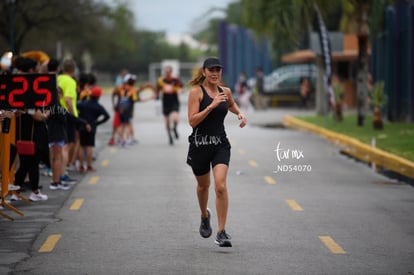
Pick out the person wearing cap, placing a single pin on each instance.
(208, 104)
(91, 111)
(169, 85)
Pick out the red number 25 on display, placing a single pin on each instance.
(25, 91)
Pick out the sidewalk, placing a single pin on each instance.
(359, 150)
(286, 117)
(273, 117)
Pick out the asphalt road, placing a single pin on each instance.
(297, 206)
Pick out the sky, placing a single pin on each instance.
(175, 17)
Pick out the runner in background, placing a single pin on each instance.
(169, 85)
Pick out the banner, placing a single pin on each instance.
(326, 55)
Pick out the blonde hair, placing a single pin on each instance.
(198, 79)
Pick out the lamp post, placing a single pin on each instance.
(11, 21)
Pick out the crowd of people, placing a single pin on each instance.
(63, 133)
(249, 94)
(70, 127)
(126, 93)
(70, 124)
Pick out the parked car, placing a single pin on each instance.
(286, 80)
(284, 83)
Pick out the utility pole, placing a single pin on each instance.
(11, 25)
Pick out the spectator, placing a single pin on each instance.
(120, 78)
(57, 134)
(123, 99)
(90, 110)
(31, 126)
(242, 80)
(305, 91)
(244, 96)
(68, 85)
(260, 101)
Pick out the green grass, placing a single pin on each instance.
(396, 138)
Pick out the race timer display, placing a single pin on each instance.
(26, 91)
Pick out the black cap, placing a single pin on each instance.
(212, 62)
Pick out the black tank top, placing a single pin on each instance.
(213, 125)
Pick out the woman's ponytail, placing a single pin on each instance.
(199, 78)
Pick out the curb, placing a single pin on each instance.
(356, 148)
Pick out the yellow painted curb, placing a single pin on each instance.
(356, 148)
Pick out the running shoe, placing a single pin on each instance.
(175, 132)
(90, 169)
(47, 172)
(129, 142)
(111, 142)
(223, 239)
(38, 196)
(14, 197)
(67, 179)
(58, 185)
(71, 167)
(205, 227)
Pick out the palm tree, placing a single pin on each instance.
(286, 22)
(362, 32)
(284, 19)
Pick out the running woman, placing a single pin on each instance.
(170, 85)
(208, 104)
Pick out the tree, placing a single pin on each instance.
(285, 22)
(19, 18)
(364, 18)
(209, 32)
(105, 32)
(284, 19)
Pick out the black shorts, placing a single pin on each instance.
(205, 156)
(168, 110)
(170, 103)
(87, 138)
(125, 117)
(71, 128)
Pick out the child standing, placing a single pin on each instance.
(90, 110)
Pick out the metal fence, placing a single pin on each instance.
(393, 60)
(242, 51)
